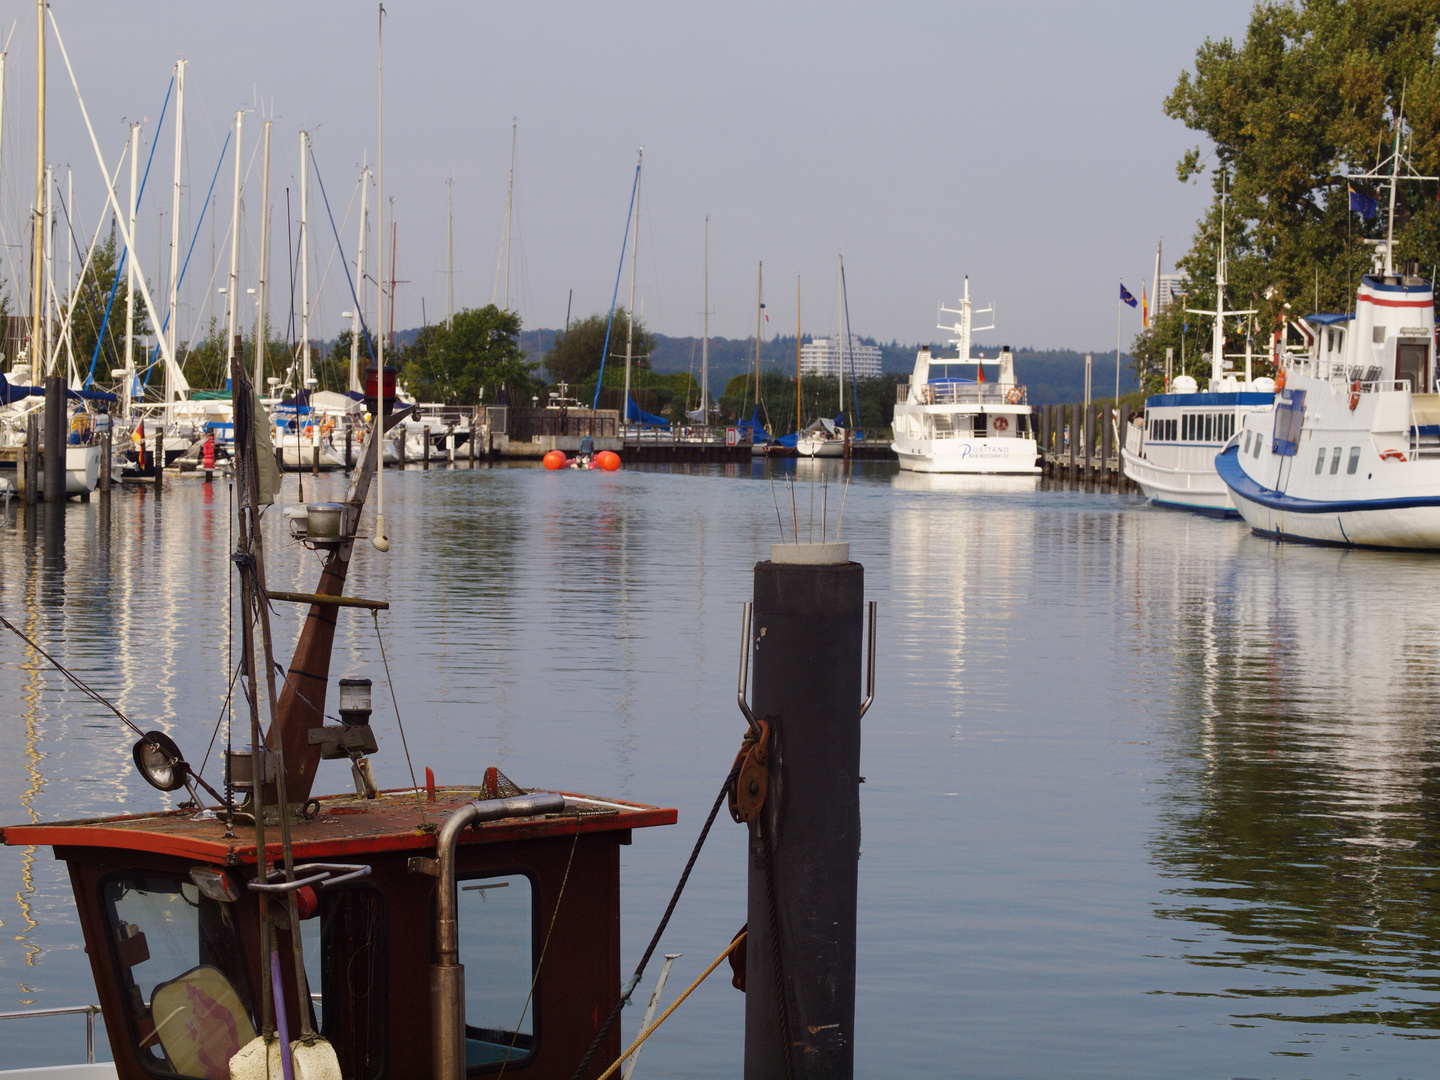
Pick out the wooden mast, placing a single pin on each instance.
(797, 352)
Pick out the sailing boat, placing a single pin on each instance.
(827, 438)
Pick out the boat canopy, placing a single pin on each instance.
(10, 392)
(754, 427)
(1328, 320)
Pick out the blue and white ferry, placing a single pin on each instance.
(1170, 451)
(1352, 454)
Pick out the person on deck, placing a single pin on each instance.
(587, 449)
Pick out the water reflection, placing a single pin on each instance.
(1300, 825)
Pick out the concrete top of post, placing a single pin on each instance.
(832, 554)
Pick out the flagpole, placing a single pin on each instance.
(1119, 305)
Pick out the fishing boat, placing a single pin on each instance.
(1169, 451)
(1352, 453)
(197, 920)
(955, 425)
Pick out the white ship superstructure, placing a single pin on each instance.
(955, 425)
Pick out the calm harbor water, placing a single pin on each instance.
(1146, 795)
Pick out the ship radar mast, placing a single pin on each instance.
(965, 328)
(1390, 171)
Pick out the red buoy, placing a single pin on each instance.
(608, 460)
(555, 459)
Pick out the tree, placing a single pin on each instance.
(476, 353)
(90, 305)
(1312, 95)
(575, 356)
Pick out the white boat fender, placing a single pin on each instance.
(317, 1061)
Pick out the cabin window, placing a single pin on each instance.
(1335, 461)
(1247, 445)
(1354, 461)
(1320, 462)
(497, 923)
(181, 972)
(1209, 427)
(1255, 450)
(1172, 429)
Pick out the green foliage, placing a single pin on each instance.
(575, 354)
(821, 398)
(1311, 95)
(476, 353)
(206, 365)
(90, 301)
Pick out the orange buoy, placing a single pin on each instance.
(608, 460)
(555, 459)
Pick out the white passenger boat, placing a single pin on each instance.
(1169, 452)
(1352, 455)
(950, 425)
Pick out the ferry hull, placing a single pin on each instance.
(975, 456)
(1182, 489)
(1411, 524)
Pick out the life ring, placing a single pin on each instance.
(1393, 455)
(327, 428)
(1013, 395)
(1354, 395)
(1001, 424)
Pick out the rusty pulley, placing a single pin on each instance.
(747, 795)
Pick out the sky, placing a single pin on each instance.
(1023, 144)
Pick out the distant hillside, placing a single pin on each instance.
(1052, 376)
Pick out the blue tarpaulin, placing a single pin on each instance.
(12, 392)
(636, 415)
(756, 429)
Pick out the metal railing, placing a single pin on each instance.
(949, 392)
(90, 1011)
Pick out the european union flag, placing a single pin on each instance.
(1361, 203)
(1126, 298)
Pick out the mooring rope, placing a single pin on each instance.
(398, 722)
(664, 921)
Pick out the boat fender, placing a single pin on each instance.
(1001, 424)
(1354, 395)
(555, 459)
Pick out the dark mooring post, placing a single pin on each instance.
(54, 438)
(805, 844)
(32, 459)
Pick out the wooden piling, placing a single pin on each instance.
(474, 434)
(425, 438)
(349, 445)
(1107, 441)
(32, 459)
(1073, 439)
(159, 460)
(399, 445)
(54, 439)
(107, 450)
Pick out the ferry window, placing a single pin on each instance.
(1335, 461)
(1320, 462)
(1209, 427)
(181, 973)
(1173, 425)
(1354, 461)
(496, 919)
(1247, 441)
(354, 985)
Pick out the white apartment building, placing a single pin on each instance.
(827, 356)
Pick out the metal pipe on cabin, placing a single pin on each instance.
(54, 438)
(804, 848)
(447, 974)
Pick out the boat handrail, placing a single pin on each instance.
(90, 1011)
(946, 392)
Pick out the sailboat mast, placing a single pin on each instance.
(510, 211)
(449, 255)
(630, 315)
(304, 261)
(262, 306)
(172, 316)
(232, 287)
(131, 260)
(37, 252)
(797, 353)
(361, 269)
(759, 314)
(705, 339)
(49, 271)
(840, 318)
(70, 270)
(380, 541)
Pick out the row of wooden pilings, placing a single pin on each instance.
(1080, 442)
